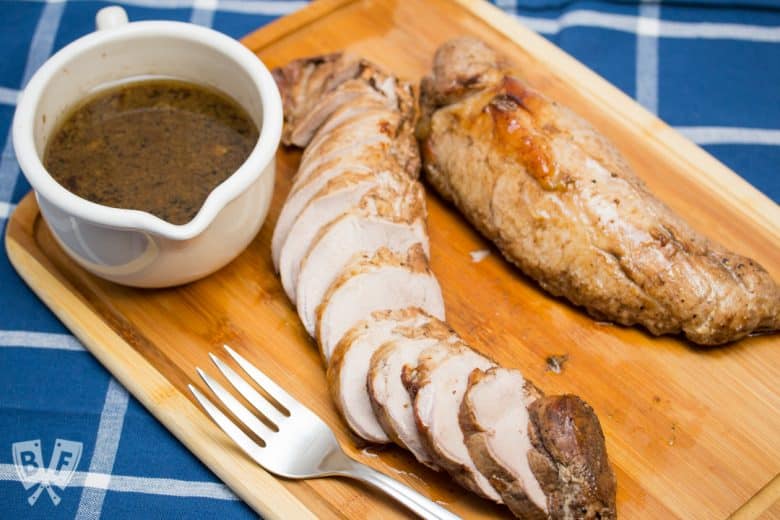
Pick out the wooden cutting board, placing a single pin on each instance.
(692, 433)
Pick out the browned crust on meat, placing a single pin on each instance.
(410, 381)
(404, 203)
(345, 180)
(570, 460)
(454, 77)
(510, 489)
(435, 329)
(502, 152)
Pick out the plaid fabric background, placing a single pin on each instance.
(711, 69)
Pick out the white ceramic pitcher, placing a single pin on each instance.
(135, 247)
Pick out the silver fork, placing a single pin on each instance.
(301, 445)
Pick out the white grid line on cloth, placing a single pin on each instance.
(144, 485)
(9, 168)
(45, 340)
(6, 208)
(666, 28)
(203, 12)
(261, 7)
(8, 96)
(730, 135)
(575, 18)
(109, 433)
(40, 48)
(647, 56)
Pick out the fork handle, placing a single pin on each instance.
(417, 503)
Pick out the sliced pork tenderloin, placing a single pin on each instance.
(349, 365)
(436, 386)
(383, 281)
(401, 374)
(495, 423)
(395, 224)
(390, 400)
(337, 197)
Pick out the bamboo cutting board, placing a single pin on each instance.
(692, 433)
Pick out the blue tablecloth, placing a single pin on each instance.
(711, 69)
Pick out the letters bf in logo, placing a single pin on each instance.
(28, 460)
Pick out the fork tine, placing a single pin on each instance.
(249, 446)
(250, 394)
(236, 408)
(264, 381)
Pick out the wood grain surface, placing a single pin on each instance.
(692, 433)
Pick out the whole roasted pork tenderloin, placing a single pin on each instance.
(561, 202)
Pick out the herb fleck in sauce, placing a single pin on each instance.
(159, 146)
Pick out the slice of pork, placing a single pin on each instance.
(337, 244)
(364, 121)
(390, 400)
(361, 158)
(299, 197)
(383, 281)
(369, 106)
(337, 197)
(344, 95)
(495, 422)
(348, 367)
(304, 82)
(361, 129)
(436, 386)
(396, 224)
